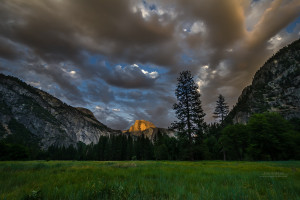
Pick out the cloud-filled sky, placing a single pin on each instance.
(121, 59)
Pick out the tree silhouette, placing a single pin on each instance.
(221, 109)
(188, 109)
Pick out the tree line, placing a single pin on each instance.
(266, 136)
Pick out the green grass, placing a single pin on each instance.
(149, 180)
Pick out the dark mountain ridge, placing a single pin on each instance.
(275, 87)
(44, 117)
(39, 118)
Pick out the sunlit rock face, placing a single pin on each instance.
(141, 125)
(275, 87)
(147, 129)
(49, 120)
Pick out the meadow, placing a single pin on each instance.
(149, 180)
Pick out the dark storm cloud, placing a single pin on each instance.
(223, 43)
(154, 106)
(159, 115)
(232, 52)
(61, 30)
(60, 77)
(38, 26)
(7, 50)
(250, 52)
(111, 118)
(129, 77)
(99, 91)
(123, 34)
(224, 20)
(276, 17)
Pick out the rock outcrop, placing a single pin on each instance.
(141, 125)
(148, 129)
(46, 117)
(275, 87)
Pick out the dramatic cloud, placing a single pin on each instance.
(109, 117)
(130, 77)
(121, 58)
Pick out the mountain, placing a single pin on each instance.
(34, 115)
(148, 129)
(275, 87)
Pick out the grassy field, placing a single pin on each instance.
(149, 180)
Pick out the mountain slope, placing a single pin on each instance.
(275, 87)
(45, 117)
(148, 129)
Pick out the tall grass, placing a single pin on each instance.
(149, 180)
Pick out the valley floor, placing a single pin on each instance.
(149, 180)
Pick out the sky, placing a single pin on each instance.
(121, 59)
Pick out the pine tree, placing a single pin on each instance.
(221, 109)
(188, 109)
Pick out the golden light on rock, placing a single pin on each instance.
(141, 125)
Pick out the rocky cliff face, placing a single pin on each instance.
(148, 129)
(46, 117)
(275, 87)
(141, 125)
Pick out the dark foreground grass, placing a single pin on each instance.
(149, 180)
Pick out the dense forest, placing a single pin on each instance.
(266, 136)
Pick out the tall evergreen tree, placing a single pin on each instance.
(188, 109)
(221, 109)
